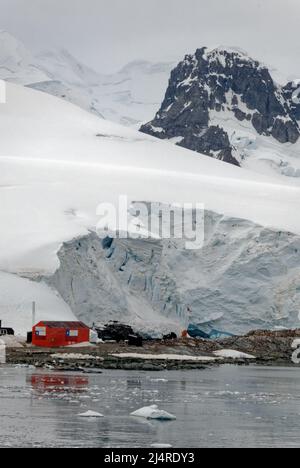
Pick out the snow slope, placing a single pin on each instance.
(76, 161)
(58, 162)
(259, 153)
(16, 299)
(132, 96)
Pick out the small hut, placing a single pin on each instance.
(59, 334)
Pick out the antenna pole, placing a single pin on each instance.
(33, 313)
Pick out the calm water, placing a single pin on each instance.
(225, 407)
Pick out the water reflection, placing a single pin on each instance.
(222, 407)
(2, 352)
(134, 383)
(55, 383)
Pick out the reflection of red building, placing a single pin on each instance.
(55, 383)
(57, 334)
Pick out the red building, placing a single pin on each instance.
(59, 334)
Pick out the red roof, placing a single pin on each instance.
(66, 325)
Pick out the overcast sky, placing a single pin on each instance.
(107, 34)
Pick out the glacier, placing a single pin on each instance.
(245, 277)
(58, 162)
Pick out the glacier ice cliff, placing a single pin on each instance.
(245, 277)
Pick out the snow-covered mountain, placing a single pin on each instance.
(17, 64)
(219, 102)
(58, 162)
(130, 96)
(225, 104)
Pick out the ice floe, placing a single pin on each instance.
(153, 412)
(91, 414)
(161, 446)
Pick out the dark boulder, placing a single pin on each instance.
(115, 331)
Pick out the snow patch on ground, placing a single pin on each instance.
(165, 357)
(229, 353)
(75, 356)
(12, 341)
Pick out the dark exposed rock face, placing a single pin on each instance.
(214, 140)
(209, 83)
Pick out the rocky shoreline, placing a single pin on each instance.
(257, 347)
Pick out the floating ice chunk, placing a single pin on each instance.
(161, 446)
(91, 414)
(159, 380)
(153, 412)
(230, 353)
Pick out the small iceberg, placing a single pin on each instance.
(161, 446)
(159, 380)
(91, 414)
(153, 412)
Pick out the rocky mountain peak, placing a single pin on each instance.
(221, 83)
